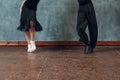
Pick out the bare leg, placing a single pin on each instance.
(27, 35)
(28, 39)
(32, 30)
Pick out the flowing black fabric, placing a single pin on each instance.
(28, 20)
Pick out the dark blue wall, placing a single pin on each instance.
(58, 18)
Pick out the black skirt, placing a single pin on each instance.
(27, 16)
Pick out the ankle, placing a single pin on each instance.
(33, 44)
(28, 45)
(32, 41)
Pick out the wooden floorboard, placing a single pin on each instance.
(60, 63)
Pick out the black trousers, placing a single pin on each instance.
(87, 17)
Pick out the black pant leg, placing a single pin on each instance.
(81, 25)
(92, 25)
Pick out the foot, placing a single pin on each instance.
(88, 49)
(29, 48)
(33, 46)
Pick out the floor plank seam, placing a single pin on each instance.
(42, 68)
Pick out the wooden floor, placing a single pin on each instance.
(60, 63)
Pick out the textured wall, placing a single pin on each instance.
(58, 18)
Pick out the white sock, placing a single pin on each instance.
(29, 48)
(33, 45)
